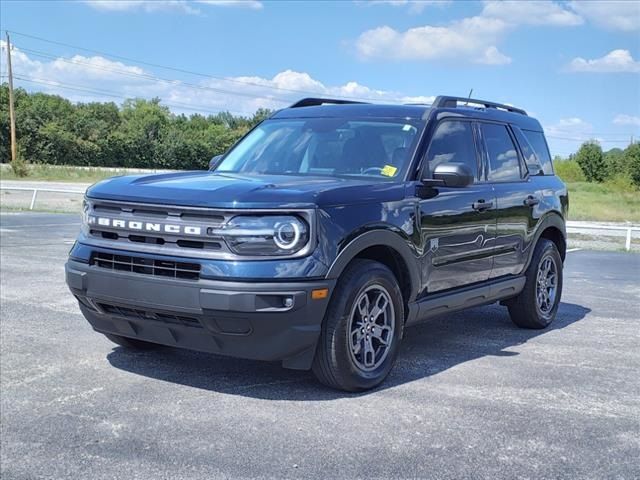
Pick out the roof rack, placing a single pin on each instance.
(311, 102)
(452, 102)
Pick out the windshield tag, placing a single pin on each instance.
(389, 171)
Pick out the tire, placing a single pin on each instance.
(130, 343)
(339, 365)
(527, 310)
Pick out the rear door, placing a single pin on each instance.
(457, 224)
(507, 174)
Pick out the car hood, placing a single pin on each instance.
(226, 190)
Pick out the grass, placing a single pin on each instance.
(613, 201)
(603, 202)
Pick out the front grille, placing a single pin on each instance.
(156, 239)
(148, 239)
(140, 314)
(146, 266)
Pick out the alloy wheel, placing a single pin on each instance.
(546, 285)
(371, 328)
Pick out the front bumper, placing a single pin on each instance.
(276, 321)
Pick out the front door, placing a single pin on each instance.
(457, 224)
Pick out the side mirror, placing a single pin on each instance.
(535, 169)
(214, 162)
(452, 175)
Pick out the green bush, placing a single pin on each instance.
(591, 161)
(569, 171)
(621, 183)
(616, 162)
(19, 167)
(632, 156)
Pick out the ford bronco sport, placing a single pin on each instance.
(325, 232)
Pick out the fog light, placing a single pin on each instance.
(288, 302)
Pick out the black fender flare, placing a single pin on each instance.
(374, 238)
(552, 219)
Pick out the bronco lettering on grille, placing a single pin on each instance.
(144, 226)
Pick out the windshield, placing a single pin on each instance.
(378, 148)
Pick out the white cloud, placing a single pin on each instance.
(492, 56)
(567, 134)
(474, 39)
(471, 38)
(572, 126)
(419, 99)
(180, 6)
(77, 68)
(623, 119)
(252, 4)
(531, 13)
(96, 78)
(414, 6)
(143, 5)
(614, 61)
(613, 15)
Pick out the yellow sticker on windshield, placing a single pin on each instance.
(389, 171)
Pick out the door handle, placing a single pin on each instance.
(481, 205)
(530, 201)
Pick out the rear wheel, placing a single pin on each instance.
(362, 328)
(537, 304)
(130, 343)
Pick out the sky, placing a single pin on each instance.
(574, 65)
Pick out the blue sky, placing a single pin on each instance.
(574, 65)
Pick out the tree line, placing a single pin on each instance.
(141, 133)
(591, 164)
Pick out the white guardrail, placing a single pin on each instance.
(35, 191)
(628, 229)
(570, 225)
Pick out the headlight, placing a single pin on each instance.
(266, 235)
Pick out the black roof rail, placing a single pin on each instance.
(452, 102)
(311, 102)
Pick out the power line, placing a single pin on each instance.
(585, 139)
(189, 72)
(613, 134)
(150, 77)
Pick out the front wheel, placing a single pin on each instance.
(537, 304)
(362, 328)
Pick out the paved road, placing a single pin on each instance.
(471, 396)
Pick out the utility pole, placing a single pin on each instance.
(12, 113)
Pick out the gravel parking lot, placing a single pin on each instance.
(471, 396)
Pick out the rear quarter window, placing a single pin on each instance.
(540, 149)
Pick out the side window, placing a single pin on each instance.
(504, 163)
(453, 142)
(537, 141)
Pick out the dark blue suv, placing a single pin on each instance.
(325, 232)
